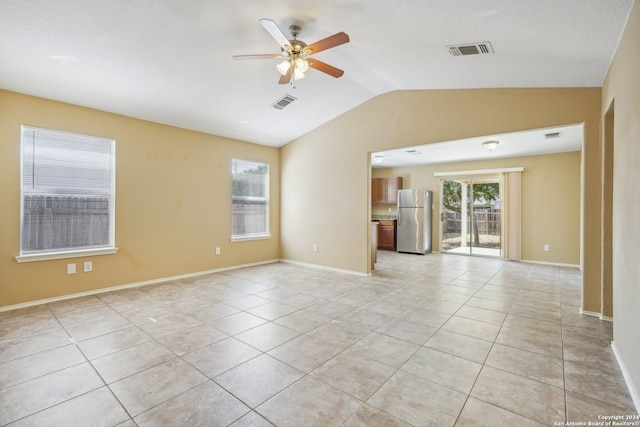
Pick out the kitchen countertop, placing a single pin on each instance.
(383, 217)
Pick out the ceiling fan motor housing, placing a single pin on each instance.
(297, 46)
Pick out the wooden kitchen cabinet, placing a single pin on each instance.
(392, 187)
(385, 190)
(387, 235)
(377, 191)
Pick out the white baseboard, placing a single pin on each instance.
(324, 267)
(596, 314)
(590, 313)
(130, 285)
(627, 378)
(556, 264)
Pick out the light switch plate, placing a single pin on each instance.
(88, 266)
(71, 268)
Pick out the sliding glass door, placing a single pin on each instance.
(455, 216)
(470, 216)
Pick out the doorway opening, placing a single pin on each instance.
(470, 219)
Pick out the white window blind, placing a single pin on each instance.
(249, 199)
(68, 191)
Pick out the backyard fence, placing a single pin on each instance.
(63, 222)
(487, 221)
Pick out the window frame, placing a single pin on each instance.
(72, 252)
(267, 202)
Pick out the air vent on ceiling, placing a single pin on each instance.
(283, 102)
(470, 49)
(412, 152)
(551, 135)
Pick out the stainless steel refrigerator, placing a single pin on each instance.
(415, 209)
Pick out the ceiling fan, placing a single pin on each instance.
(297, 54)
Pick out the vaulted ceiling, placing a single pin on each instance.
(170, 61)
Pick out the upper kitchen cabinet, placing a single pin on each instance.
(385, 190)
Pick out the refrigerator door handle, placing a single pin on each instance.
(398, 208)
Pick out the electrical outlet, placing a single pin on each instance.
(71, 268)
(88, 266)
(546, 248)
(315, 248)
(217, 251)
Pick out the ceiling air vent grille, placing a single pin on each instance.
(283, 102)
(552, 135)
(470, 49)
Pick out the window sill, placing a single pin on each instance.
(66, 254)
(250, 237)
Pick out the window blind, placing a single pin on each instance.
(68, 186)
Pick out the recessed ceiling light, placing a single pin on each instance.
(490, 145)
(378, 159)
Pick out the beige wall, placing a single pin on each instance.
(173, 202)
(550, 201)
(314, 175)
(173, 193)
(623, 85)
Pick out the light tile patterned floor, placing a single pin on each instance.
(436, 340)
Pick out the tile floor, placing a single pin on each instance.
(437, 340)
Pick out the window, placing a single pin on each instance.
(68, 194)
(249, 200)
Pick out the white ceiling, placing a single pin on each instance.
(517, 144)
(170, 61)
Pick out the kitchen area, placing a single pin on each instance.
(400, 218)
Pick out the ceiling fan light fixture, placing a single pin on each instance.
(297, 74)
(490, 145)
(283, 67)
(302, 65)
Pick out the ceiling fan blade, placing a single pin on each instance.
(262, 56)
(328, 43)
(285, 79)
(325, 68)
(275, 31)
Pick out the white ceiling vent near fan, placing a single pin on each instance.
(283, 102)
(482, 48)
